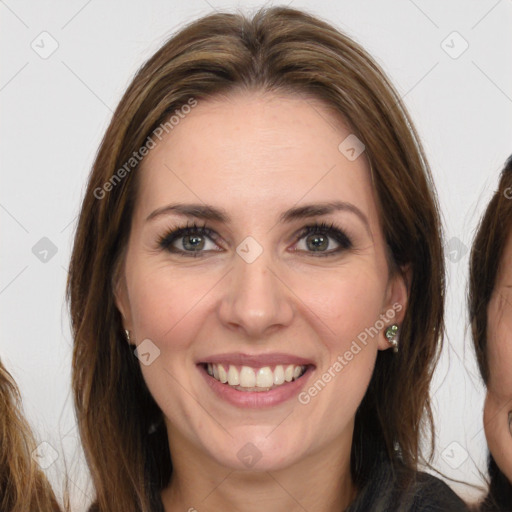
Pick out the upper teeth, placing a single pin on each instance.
(249, 377)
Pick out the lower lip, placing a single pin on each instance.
(256, 399)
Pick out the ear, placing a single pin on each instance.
(122, 301)
(396, 301)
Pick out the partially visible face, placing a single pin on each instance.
(256, 298)
(498, 403)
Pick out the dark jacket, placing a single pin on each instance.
(385, 492)
(499, 497)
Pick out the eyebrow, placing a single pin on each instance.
(207, 212)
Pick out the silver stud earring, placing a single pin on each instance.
(392, 336)
(127, 332)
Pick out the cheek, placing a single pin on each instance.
(336, 307)
(497, 433)
(500, 358)
(169, 310)
(163, 301)
(344, 311)
(347, 301)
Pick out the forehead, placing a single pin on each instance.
(504, 277)
(502, 293)
(499, 327)
(255, 150)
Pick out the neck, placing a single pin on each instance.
(320, 482)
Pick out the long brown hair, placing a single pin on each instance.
(277, 49)
(486, 255)
(23, 486)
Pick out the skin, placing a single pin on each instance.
(498, 402)
(256, 155)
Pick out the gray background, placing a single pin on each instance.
(56, 107)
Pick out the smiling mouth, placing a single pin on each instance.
(249, 379)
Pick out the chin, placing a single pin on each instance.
(257, 451)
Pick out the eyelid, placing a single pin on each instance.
(172, 234)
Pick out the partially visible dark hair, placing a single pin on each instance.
(486, 255)
(499, 497)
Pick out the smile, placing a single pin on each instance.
(256, 380)
(247, 378)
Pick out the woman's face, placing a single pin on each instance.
(256, 299)
(498, 403)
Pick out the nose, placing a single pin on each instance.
(256, 301)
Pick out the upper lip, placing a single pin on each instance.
(256, 360)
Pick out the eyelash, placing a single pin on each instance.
(165, 241)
